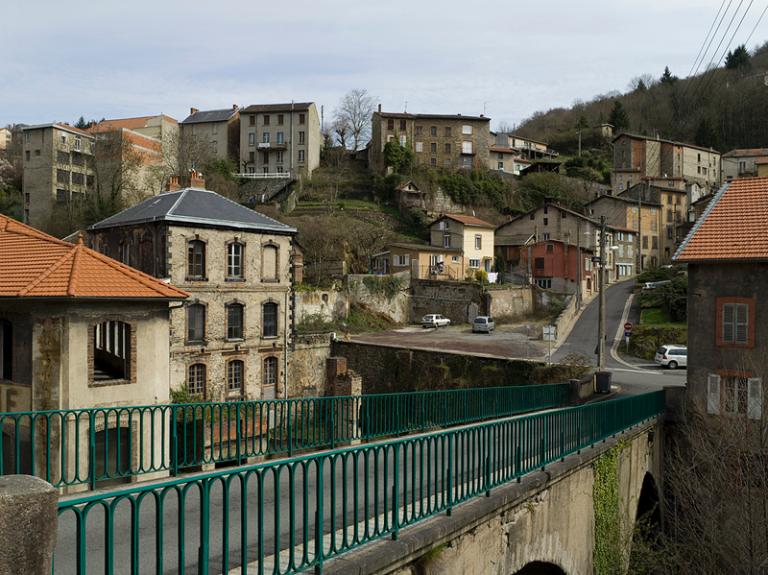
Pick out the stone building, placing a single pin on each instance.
(77, 330)
(217, 131)
(727, 257)
(58, 167)
(277, 139)
(473, 236)
(671, 164)
(743, 162)
(230, 339)
(437, 140)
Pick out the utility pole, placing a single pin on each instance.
(601, 292)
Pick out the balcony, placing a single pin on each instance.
(264, 175)
(272, 146)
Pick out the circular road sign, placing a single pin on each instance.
(628, 326)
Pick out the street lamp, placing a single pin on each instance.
(600, 261)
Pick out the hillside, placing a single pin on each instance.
(723, 108)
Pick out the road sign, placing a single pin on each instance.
(627, 334)
(549, 333)
(628, 326)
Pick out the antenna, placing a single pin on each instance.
(405, 106)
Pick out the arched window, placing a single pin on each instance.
(269, 320)
(270, 371)
(235, 372)
(196, 323)
(235, 261)
(196, 260)
(234, 321)
(111, 351)
(196, 379)
(270, 263)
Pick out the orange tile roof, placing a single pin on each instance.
(467, 220)
(36, 265)
(734, 226)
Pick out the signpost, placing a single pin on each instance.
(627, 333)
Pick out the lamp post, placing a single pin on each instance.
(601, 295)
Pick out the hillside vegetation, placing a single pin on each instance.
(723, 108)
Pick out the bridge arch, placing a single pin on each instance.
(540, 568)
(649, 502)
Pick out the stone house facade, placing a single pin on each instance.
(437, 140)
(231, 338)
(742, 163)
(727, 257)
(280, 139)
(218, 131)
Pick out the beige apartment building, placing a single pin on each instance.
(231, 338)
(216, 132)
(437, 140)
(280, 140)
(58, 165)
(666, 163)
(473, 236)
(421, 261)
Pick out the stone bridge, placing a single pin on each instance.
(546, 524)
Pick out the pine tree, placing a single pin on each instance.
(667, 77)
(738, 58)
(618, 117)
(81, 123)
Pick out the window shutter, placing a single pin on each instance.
(741, 323)
(728, 322)
(755, 398)
(713, 394)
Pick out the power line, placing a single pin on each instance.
(701, 48)
(756, 24)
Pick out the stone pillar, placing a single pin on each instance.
(347, 416)
(28, 523)
(334, 367)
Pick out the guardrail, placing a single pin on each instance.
(264, 175)
(291, 515)
(88, 446)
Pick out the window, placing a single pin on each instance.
(125, 252)
(545, 236)
(196, 260)
(419, 130)
(196, 376)
(252, 157)
(235, 321)
(419, 147)
(669, 232)
(270, 371)
(402, 260)
(269, 320)
(62, 157)
(301, 137)
(447, 148)
(111, 351)
(655, 242)
(550, 248)
(270, 259)
(280, 119)
(433, 130)
(27, 137)
(544, 283)
(78, 142)
(466, 129)
(734, 398)
(390, 124)
(478, 242)
(27, 154)
(196, 322)
(61, 195)
(402, 124)
(280, 156)
(302, 118)
(433, 162)
(403, 140)
(235, 370)
(736, 321)
(235, 260)
(645, 242)
(62, 176)
(447, 131)
(301, 156)
(455, 259)
(252, 120)
(78, 178)
(63, 138)
(265, 137)
(474, 263)
(500, 165)
(280, 138)
(546, 221)
(266, 119)
(433, 147)
(538, 263)
(466, 147)
(252, 139)
(446, 240)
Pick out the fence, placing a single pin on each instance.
(291, 515)
(88, 446)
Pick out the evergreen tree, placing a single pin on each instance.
(81, 123)
(618, 117)
(667, 78)
(738, 58)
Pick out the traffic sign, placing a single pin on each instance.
(627, 334)
(628, 326)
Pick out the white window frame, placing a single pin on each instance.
(402, 260)
(466, 147)
(466, 129)
(419, 147)
(474, 263)
(478, 242)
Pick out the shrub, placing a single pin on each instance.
(481, 276)
(645, 340)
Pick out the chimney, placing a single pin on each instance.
(173, 184)
(196, 179)
(379, 108)
(234, 107)
(193, 111)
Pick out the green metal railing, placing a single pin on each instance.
(287, 516)
(88, 446)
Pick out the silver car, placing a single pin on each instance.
(672, 356)
(483, 324)
(435, 320)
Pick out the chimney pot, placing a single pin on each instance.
(193, 111)
(196, 179)
(173, 184)
(379, 108)
(234, 107)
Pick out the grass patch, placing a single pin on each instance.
(657, 316)
(361, 319)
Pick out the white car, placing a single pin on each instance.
(435, 320)
(672, 356)
(483, 324)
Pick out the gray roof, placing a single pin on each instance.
(210, 116)
(195, 207)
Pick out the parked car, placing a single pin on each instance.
(654, 285)
(672, 356)
(435, 320)
(483, 324)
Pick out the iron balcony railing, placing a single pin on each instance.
(88, 446)
(291, 515)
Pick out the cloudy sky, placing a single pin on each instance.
(109, 58)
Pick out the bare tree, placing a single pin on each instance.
(341, 131)
(354, 111)
(505, 127)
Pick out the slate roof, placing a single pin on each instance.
(195, 207)
(36, 265)
(406, 115)
(734, 226)
(296, 107)
(466, 220)
(202, 116)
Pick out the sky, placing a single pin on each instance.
(507, 59)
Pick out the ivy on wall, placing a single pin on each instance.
(388, 286)
(609, 549)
